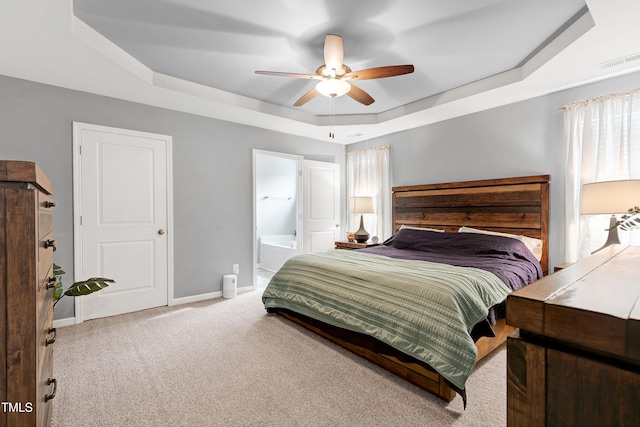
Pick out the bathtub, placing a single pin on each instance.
(275, 250)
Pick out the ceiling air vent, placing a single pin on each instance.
(620, 61)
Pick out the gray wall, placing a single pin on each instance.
(213, 164)
(524, 138)
(212, 171)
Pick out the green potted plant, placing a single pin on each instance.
(84, 287)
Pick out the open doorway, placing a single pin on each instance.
(277, 212)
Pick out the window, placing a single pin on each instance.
(602, 143)
(368, 175)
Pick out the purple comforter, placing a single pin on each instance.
(507, 258)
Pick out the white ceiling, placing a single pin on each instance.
(220, 44)
(200, 56)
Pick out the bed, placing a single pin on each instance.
(374, 302)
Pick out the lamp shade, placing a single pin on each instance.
(610, 197)
(333, 87)
(361, 205)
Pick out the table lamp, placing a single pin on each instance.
(610, 197)
(361, 205)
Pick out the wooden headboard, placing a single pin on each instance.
(507, 205)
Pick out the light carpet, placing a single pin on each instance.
(226, 362)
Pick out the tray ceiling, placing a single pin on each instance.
(221, 44)
(200, 56)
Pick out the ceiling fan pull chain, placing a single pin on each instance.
(332, 135)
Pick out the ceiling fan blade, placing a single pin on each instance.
(379, 72)
(294, 75)
(333, 51)
(306, 97)
(360, 95)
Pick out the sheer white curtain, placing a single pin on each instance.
(368, 174)
(602, 143)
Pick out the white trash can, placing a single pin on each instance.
(229, 285)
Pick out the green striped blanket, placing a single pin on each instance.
(423, 309)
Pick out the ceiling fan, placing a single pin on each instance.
(336, 77)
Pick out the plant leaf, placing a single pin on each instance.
(57, 270)
(101, 279)
(631, 220)
(57, 291)
(88, 286)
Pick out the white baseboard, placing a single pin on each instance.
(59, 323)
(195, 298)
(210, 295)
(244, 289)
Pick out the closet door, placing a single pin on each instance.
(321, 206)
(124, 226)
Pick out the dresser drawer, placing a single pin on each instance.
(46, 391)
(45, 215)
(45, 258)
(46, 339)
(44, 308)
(46, 279)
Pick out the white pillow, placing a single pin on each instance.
(420, 228)
(534, 245)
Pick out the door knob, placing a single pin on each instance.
(161, 232)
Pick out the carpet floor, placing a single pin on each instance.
(226, 362)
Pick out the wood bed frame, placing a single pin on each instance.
(509, 205)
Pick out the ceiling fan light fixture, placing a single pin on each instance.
(333, 88)
(333, 75)
(327, 72)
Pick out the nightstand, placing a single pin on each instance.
(354, 245)
(561, 266)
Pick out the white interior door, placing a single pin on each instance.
(321, 206)
(123, 218)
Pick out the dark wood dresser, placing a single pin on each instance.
(26, 307)
(575, 360)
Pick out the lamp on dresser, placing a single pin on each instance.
(610, 197)
(361, 205)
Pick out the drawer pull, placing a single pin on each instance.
(52, 340)
(51, 282)
(50, 244)
(50, 381)
(48, 204)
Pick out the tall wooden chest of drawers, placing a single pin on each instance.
(26, 307)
